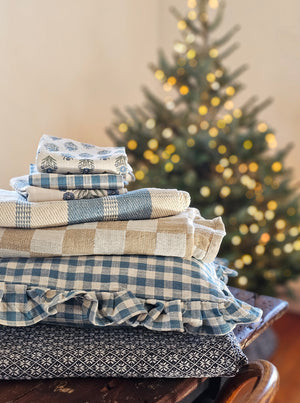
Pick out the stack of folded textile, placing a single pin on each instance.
(67, 169)
(130, 280)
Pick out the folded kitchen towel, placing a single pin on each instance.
(15, 211)
(45, 351)
(65, 156)
(185, 235)
(76, 181)
(39, 194)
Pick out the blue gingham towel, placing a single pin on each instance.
(40, 194)
(76, 181)
(60, 155)
(44, 351)
(159, 293)
(17, 212)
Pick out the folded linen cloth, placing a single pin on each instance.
(15, 211)
(39, 194)
(159, 293)
(45, 351)
(76, 181)
(64, 156)
(185, 235)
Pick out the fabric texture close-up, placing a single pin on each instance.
(159, 293)
(185, 235)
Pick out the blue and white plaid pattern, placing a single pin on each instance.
(76, 181)
(159, 293)
(17, 212)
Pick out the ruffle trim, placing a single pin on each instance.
(24, 306)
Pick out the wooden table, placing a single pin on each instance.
(119, 390)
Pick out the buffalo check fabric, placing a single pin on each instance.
(39, 194)
(17, 212)
(185, 235)
(159, 293)
(58, 352)
(76, 181)
(60, 155)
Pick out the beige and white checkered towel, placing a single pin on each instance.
(184, 235)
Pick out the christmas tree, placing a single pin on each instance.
(195, 138)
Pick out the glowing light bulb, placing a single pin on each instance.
(210, 77)
(288, 248)
(247, 144)
(269, 214)
(230, 91)
(228, 172)
(221, 123)
(192, 129)
(238, 264)
(243, 228)
(254, 228)
(184, 89)
(179, 47)
(222, 149)
(123, 127)
(159, 74)
(280, 237)
(243, 281)
(192, 15)
(259, 249)
(175, 158)
(172, 80)
(233, 159)
(228, 119)
(202, 110)
(237, 113)
(276, 251)
(192, 3)
(215, 101)
(150, 123)
(236, 240)
(253, 167)
(219, 210)
(213, 53)
(262, 127)
(181, 25)
(213, 3)
(139, 175)
(153, 144)
(169, 167)
(132, 144)
(293, 231)
(190, 142)
(276, 166)
(170, 148)
(205, 191)
(280, 224)
(213, 132)
(167, 133)
(191, 54)
(265, 237)
(228, 105)
(247, 259)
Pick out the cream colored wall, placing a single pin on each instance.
(65, 63)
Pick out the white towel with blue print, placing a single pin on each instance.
(159, 293)
(60, 155)
(17, 212)
(40, 194)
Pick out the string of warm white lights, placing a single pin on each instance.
(223, 155)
